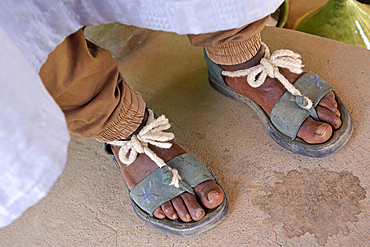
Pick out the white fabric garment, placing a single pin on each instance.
(33, 133)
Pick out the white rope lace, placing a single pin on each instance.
(269, 66)
(152, 133)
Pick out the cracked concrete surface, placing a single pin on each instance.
(89, 205)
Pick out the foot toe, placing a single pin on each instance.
(331, 97)
(186, 206)
(318, 132)
(169, 210)
(329, 117)
(328, 104)
(181, 209)
(159, 213)
(314, 132)
(209, 194)
(195, 210)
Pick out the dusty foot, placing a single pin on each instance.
(185, 206)
(270, 92)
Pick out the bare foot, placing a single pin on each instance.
(268, 94)
(186, 207)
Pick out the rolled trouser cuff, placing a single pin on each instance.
(235, 52)
(128, 119)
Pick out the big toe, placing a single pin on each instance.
(314, 132)
(209, 194)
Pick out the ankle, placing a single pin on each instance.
(143, 123)
(248, 64)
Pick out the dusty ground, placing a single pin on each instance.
(276, 198)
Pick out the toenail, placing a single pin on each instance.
(187, 217)
(337, 122)
(198, 213)
(321, 129)
(212, 194)
(175, 216)
(162, 215)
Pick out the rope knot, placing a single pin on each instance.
(269, 66)
(302, 101)
(138, 144)
(171, 177)
(152, 133)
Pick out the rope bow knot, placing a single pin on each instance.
(152, 133)
(269, 66)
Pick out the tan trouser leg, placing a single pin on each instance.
(232, 46)
(84, 80)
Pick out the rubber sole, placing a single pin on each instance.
(298, 146)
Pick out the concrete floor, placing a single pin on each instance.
(276, 198)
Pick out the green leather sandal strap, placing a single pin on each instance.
(191, 169)
(154, 190)
(287, 115)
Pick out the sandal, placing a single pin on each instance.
(294, 106)
(171, 179)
